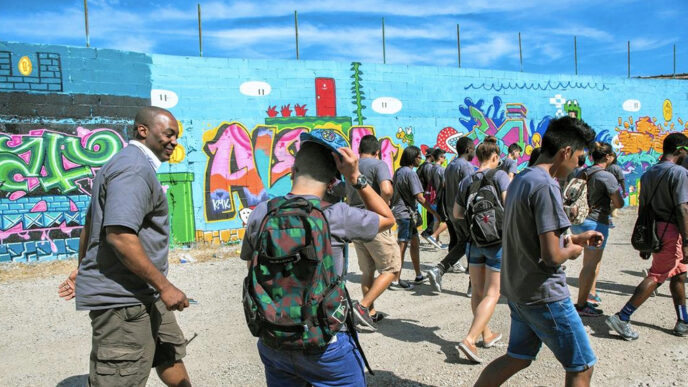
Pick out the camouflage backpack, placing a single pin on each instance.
(293, 298)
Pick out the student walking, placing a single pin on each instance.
(424, 172)
(535, 246)
(408, 192)
(437, 186)
(382, 253)
(295, 242)
(603, 195)
(510, 163)
(665, 193)
(480, 201)
(456, 171)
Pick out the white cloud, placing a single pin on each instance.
(497, 46)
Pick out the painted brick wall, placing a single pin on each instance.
(241, 120)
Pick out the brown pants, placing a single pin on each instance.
(129, 341)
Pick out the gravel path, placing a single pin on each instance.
(46, 342)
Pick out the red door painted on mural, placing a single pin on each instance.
(325, 99)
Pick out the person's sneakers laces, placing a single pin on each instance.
(433, 241)
(681, 328)
(362, 316)
(456, 268)
(623, 328)
(401, 285)
(435, 277)
(588, 310)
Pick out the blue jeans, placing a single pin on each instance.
(556, 324)
(485, 256)
(406, 232)
(340, 365)
(591, 225)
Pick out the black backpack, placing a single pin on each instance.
(644, 237)
(484, 210)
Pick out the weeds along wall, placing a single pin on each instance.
(65, 111)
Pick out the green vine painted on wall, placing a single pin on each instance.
(357, 91)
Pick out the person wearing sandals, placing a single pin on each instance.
(603, 195)
(535, 246)
(408, 192)
(484, 262)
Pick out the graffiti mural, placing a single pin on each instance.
(245, 168)
(45, 185)
(508, 123)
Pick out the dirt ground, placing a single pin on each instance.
(46, 342)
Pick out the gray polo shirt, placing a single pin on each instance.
(508, 165)
(347, 224)
(671, 192)
(127, 193)
(533, 207)
(376, 171)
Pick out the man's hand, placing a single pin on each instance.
(685, 254)
(347, 164)
(574, 249)
(67, 289)
(173, 298)
(588, 239)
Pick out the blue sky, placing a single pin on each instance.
(418, 32)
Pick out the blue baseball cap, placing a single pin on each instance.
(330, 139)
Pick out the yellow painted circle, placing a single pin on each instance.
(667, 110)
(178, 154)
(25, 66)
(181, 128)
(535, 140)
(529, 149)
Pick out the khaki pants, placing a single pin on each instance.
(129, 341)
(381, 254)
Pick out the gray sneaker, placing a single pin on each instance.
(435, 277)
(623, 328)
(362, 316)
(456, 268)
(433, 241)
(681, 328)
(401, 285)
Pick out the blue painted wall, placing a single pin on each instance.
(237, 139)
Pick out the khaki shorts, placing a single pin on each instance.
(129, 341)
(381, 254)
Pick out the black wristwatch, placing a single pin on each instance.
(361, 182)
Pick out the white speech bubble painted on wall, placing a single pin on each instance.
(386, 105)
(255, 88)
(631, 105)
(165, 99)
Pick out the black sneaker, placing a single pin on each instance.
(377, 317)
(362, 316)
(401, 285)
(420, 279)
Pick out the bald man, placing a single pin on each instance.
(122, 274)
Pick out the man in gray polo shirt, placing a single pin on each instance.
(123, 265)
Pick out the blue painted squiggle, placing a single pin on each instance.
(537, 86)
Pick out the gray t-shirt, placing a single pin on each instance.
(406, 187)
(671, 192)
(508, 165)
(601, 187)
(456, 171)
(346, 224)
(424, 173)
(616, 170)
(126, 192)
(376, 171)
(500, 178)
(533, 207)
(437, 180)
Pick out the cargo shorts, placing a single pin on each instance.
(381, 254)
(128, 341)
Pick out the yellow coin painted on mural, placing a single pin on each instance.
(668, 110)
(178, 154)
(25, 66)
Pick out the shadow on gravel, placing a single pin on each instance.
(386, 378)
(411, 332)
(606, 286)
(74, 381)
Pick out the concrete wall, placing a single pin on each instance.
(241, 120)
